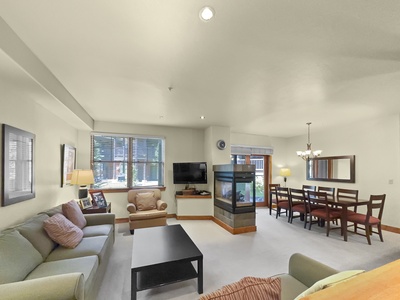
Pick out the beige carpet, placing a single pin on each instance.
(228, 257)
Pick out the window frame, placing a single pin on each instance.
(131, 161)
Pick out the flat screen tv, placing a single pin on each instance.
(190, 172)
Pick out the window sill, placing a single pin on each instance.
(124, 190)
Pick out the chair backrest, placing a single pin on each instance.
(309, 188)
(133, 193)
(314, 197)
(272, 187)
(376, 203)
(297, 195)
(282, 194)
(346, 194)
(330, 191)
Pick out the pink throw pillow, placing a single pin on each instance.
(63, 231)
(74, 213)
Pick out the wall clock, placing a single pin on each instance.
(221, 145)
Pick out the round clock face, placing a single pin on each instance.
(221, 145)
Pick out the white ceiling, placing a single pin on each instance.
(260, 67)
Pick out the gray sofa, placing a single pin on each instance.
(303, 273)
(56, 273)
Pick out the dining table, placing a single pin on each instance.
(345, 205)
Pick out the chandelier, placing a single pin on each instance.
(306, 155)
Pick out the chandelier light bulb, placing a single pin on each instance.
(308, 154)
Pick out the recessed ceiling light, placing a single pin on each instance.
(206, 13)
(202, 117)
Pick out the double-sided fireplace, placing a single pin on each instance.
(234, 196)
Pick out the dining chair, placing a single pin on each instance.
(309, 188)
(272, 196)
(282, 201)
(330, 191)
(297, 203)
(325, 213)
(347, 195)
(372, 218)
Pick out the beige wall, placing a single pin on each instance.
(376, 145)
(19, 109)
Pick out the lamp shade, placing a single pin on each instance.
(82, 177)
(285, 172)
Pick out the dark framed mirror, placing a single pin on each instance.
(332, 168)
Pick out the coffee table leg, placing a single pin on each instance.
(200, 275)
(133, 285)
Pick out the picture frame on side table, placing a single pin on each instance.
(18, 170)
(85, 203)
(98, 199)
(68, 164)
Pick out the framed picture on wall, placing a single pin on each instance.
(98, 199)
(18, 171)
(68, 164)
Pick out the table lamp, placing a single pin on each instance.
(82, 178)
(285, 172)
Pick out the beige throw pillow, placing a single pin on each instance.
(63, 231)
(146, 201)
(74, 213)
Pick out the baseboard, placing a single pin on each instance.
(391, 228)
(234, 230)
(194, 217)
(121, 220)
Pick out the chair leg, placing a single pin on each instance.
(328, 227)
(380, 232)
(278, 211)
(290, 217)
(368, 234)
(132, 231)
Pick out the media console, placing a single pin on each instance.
(194, 207)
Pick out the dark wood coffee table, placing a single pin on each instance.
(163, 255)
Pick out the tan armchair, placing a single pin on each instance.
(146, 209)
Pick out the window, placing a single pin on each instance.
(127, 161)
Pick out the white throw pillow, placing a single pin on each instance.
(329, 281)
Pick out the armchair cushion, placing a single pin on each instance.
(146, 201)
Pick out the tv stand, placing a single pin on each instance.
(194, 206)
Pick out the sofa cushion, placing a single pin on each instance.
(34, 232)
(95, 245)
(248, 288)
(329, 281)
(97, 230)
(146, 201)
(73, 213)
(18, 257)
(63, 231)
(86, 265)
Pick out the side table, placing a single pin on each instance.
(97, 210)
